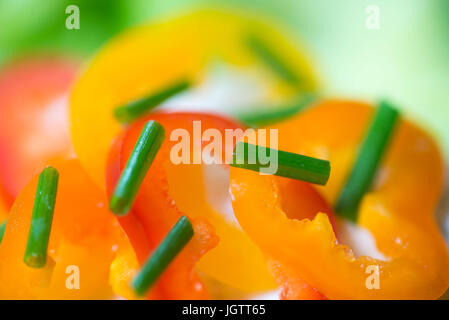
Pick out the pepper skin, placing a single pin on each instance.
(398, 211)
(3, 211)
(84, 235)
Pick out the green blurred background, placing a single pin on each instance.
(406, 60)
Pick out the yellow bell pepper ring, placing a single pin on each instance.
(148, 58)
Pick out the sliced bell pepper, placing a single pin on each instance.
(148, 58)
(170, 189)
(119, 74)
(398, 211)
(33, 119)
(299, 201)
(84, 240)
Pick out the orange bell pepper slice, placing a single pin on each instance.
(33, 119)
(398, 211)
(84, 240)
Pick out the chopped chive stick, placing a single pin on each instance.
(265, 116)
(142, 156)
(167, 250)
(370, 154)
(289, 165)
(42, 218)
(270, 57)
(2, 230)
(135, 109)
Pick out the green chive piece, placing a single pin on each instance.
(135, 109)
(265, 116)
(289, 165)
(167, 250)
(42, 218)
(2, 230)
(270, 57)
(142, 156)
(373, 148)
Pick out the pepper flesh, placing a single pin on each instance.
(299, 200)
(398, 211)
(83, 242)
